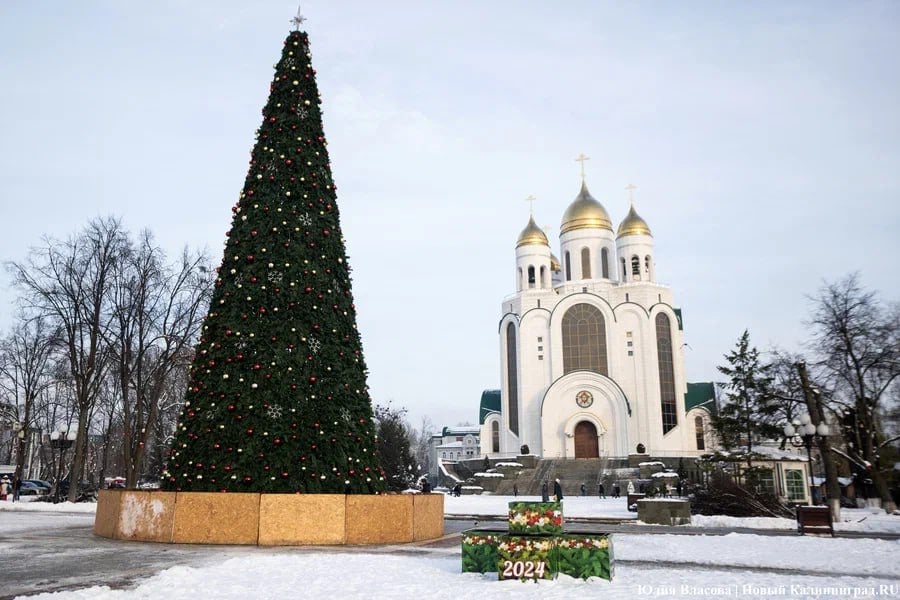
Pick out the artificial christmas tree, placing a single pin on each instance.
(278, 400)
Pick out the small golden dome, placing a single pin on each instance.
(585, 212)
(531, 235)
(554, 263)
(633, 225)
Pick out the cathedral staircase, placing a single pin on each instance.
(570, 472)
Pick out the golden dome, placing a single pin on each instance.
(531, 235)
(554, 263)
(585, 212)
(633, 225)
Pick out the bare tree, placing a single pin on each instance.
(857, 343)
(25, 373)
(158, 309)
(68, 282)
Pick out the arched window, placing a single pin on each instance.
(604, 263)
(530, 276)
(585, 263)
(495, 437)
(701, 436)
(666, 372)
(584, 340)
(543, 276)
(512, 378)
(568, 267)
(519, 280)
(635, 265)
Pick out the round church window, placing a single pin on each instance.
(584, 399)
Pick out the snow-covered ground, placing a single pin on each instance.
(852, 519)
(651, 566)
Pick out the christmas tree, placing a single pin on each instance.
(277, 400)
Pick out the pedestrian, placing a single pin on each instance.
(557, 490)
(426, 486)
(17, 486)
(457, 490)
(678, 488)
(617, 491)
(545, 492)
(583, 489)
(515, 490)
(4, 488)
(601, 491)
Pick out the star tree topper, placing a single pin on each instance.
(298, 20)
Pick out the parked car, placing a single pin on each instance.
(44, 484)
(29, 488)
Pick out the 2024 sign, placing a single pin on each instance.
(523, 569)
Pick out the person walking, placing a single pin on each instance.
(617, 491)
(4, 488)
(16, 488)
(557, 490)
(515, 490)
(601, 491)
(545, 492)
(583, 489)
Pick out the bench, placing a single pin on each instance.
(814, 519)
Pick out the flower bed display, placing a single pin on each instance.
(526, 557)
(535, 518)
(585, 556)
(535, 547)
(479, 550)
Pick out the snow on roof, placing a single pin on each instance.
(488, 474)
(451, 445)
(775, 452)
(651, 463)
(515, 464)
(842, 481)
(665, 474)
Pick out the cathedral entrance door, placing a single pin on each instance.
(586, 445)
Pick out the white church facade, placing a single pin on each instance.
(592, 348)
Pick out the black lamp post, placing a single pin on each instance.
(61, 440)
(802, 432)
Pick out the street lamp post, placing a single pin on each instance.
(61, 440)
(802, 432)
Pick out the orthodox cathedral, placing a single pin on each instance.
(591, 346)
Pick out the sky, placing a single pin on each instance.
(735, 565)
(763, 138)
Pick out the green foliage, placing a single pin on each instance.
(479, 552)
(395, 457)
(277, 399)
(585, 556)
(749, 410)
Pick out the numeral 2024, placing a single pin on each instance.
(527, 568)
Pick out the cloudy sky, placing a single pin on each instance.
(764, 139)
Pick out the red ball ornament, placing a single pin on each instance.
(249, 431)
(230, 408)
(312, 379)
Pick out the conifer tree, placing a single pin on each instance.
(277, 400)
(749, 408)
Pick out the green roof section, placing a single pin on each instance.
(490, 403)
(701, 395)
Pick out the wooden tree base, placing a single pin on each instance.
(268, 519)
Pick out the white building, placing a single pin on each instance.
(591, 347)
